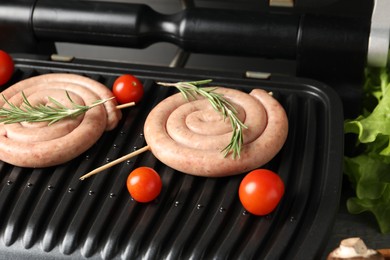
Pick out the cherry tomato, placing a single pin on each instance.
(144, 184)
(6, 67)
(128, 88)
(260, 191)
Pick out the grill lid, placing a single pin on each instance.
(48, 213)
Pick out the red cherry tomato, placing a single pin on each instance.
(260, 191)
(144, 184)
(128, 88)
(6, 67)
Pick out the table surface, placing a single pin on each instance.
(361, 225)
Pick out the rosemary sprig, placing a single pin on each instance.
(191, 89)
(40, 113)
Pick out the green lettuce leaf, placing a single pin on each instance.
(369, 170)
(376, 123)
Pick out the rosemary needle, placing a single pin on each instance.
(190, 90)
(40, 113)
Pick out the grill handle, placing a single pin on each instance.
(197, 30)
(323, 46)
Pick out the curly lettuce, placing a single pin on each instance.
(369, 170)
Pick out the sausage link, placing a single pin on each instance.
(41, 145)
(169, 133)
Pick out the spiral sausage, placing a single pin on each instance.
(189, 136)
(41, 145)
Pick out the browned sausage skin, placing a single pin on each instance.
(175, 142)
(39, 145)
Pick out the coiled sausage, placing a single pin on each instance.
(41, 145)
(189, 136)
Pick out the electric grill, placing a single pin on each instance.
(50, 214)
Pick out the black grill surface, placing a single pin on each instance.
(50, 214)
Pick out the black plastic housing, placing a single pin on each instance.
(324, 46)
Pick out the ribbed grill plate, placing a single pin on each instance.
(51, 214)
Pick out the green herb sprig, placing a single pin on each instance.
(41, 113)
(190, 90)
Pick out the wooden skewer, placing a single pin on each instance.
(115, 162)
(130, 104)
(121, 159)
